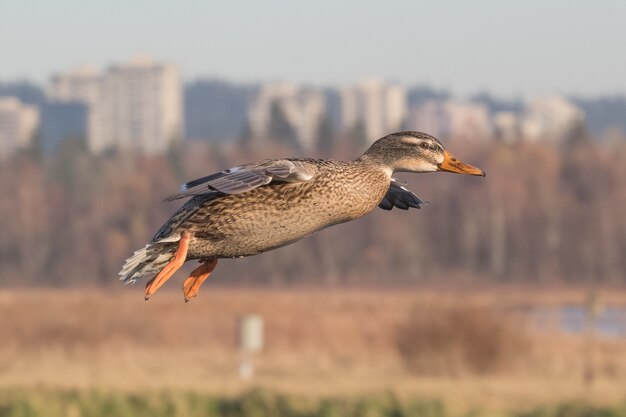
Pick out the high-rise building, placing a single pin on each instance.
(430, 117)
(18, 124)
(550, 118)
(303, 109)
(83, 86)
(145, 101)
(506, 126)
(469, 121)
(451, 118)
(381, 107)
(132, 105)
(349, 108)
(396, 110)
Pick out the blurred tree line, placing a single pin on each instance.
(544, 212)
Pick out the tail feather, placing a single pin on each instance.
(150, 260)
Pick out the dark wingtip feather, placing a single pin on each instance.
(401, 197)
(385, 204)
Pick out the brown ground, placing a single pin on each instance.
(318, 342)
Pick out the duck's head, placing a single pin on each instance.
(416, 152)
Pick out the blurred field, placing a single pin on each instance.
(319, 343)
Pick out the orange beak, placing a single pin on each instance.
(451, 164)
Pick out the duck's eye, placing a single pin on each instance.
(424, 145)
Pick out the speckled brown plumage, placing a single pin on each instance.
(278, 214)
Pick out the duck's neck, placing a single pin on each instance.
(375, 162)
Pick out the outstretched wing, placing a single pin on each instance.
(243, 178)
(400, 196)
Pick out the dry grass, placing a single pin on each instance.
(452, 339)
(318, 342)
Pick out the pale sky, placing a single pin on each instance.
(509, 48)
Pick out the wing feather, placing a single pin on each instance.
(401, 197)
(243, 178)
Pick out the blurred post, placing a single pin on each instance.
(250, 342)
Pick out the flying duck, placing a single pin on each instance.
(253, 208)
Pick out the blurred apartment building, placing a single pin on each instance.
(547, 118)
(132, 105)
(452, 118)
(469, 121)
(303, 109)
(381, 108)
(506, 126)
(550, 118)
(18, 125)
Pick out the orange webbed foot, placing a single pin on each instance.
(179, 259)
(191, 286)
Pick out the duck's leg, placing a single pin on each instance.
(179, 259)
(197, 277)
